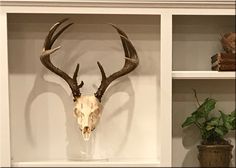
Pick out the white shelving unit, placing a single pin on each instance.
(174, 40)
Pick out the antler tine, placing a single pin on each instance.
(131, 62)
(130, 52)
(48, 42)
(46, 60)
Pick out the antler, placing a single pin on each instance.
(46, 60)
(131, 62)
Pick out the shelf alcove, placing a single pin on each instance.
(185, 140)
(41, 106)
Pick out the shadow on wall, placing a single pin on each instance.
(123, 85)
(77, 148)
(42, 86)
(191, 138)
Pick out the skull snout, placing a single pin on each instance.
(86, 129)
(86, 132)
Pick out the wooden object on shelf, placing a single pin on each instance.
(223, 62)
(228, 42)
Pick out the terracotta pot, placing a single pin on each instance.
(215, 155)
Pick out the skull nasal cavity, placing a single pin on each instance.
(86, 129)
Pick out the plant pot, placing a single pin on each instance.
(215, 155)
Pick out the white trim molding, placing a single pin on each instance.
(212, 4)
(4, 95)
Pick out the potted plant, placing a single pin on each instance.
(215, 150)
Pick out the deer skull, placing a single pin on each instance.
(88, 109)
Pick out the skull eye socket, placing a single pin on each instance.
(92, 117)
(79, 117)
(78, 113)
(75, 112)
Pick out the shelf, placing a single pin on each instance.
(86, 164)
(196, 39)
(202, 75)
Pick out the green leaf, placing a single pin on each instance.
(209, 127)
(204, 109)
(233, 113)
(198, 114)
(233, 120)
(213, 121)
(190, 120)
(209, 105)
(221, 131)
(234, 124)
(228, 126)
(227, 120)
(223, 116)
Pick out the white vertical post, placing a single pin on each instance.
(5, 159)
(166, 90)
